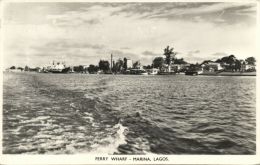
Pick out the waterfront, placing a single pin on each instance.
(127, 114)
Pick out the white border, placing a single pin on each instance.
(173, 159)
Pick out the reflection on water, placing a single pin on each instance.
(73, 113)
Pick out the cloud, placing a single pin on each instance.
(219, 54)
(190, 11)
(193, 52)
(86, 32)
(80, 14)
(122, 54)
(150, 53)
(125, 48)
(87, 15)
(62, 45)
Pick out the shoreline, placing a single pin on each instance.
(202, 74)
(230, 74)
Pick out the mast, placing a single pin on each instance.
(111, 64)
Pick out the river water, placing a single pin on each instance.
(128, 114)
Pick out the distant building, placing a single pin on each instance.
(129, 63)
(247, 67)
(211, 67)
(179, 67)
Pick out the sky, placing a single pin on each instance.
(35, 34)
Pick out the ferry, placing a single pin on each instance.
(59, 68)
(65, 70)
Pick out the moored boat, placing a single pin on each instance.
(138, 72)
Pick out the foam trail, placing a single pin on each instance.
(114, 141)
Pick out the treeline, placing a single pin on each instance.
(231, 63)
(26, 68)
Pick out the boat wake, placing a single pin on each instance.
(109, 145)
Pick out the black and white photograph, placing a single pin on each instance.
(129, 78)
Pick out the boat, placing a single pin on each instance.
(59, 68)
(143, 72)
(167, 73)
(138, 72)
(193, 73)
(153, 71)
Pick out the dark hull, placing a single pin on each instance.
(167, 73)
(192, 73)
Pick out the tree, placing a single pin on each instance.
(158, 62)
(92, 69)
(125, 64)
(104, 65)
(231, 59)
(206, 61)
(117, 67)
(12, 67)
(137, 65)
(250, 60)
(179, 61)
(218, 61)
(237, 65)
(20, 68)
(223, 60)
(79, 69)
(148, 67)
(228, 60)
(26, 68)
(169, 56)
(194, 67)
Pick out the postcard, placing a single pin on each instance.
(129, 82)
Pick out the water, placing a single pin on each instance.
(79, 114)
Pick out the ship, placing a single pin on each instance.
(59, 68)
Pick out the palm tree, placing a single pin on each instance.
(169, 56)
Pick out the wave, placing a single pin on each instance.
(88, 96)
(34, 120)
(114, 141)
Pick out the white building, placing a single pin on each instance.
(177, 67)
(129, 63)
(211, 66)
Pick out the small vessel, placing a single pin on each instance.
(138, 72)
(143, 72)
(193, 73)
(167, 73)
(153, 71)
